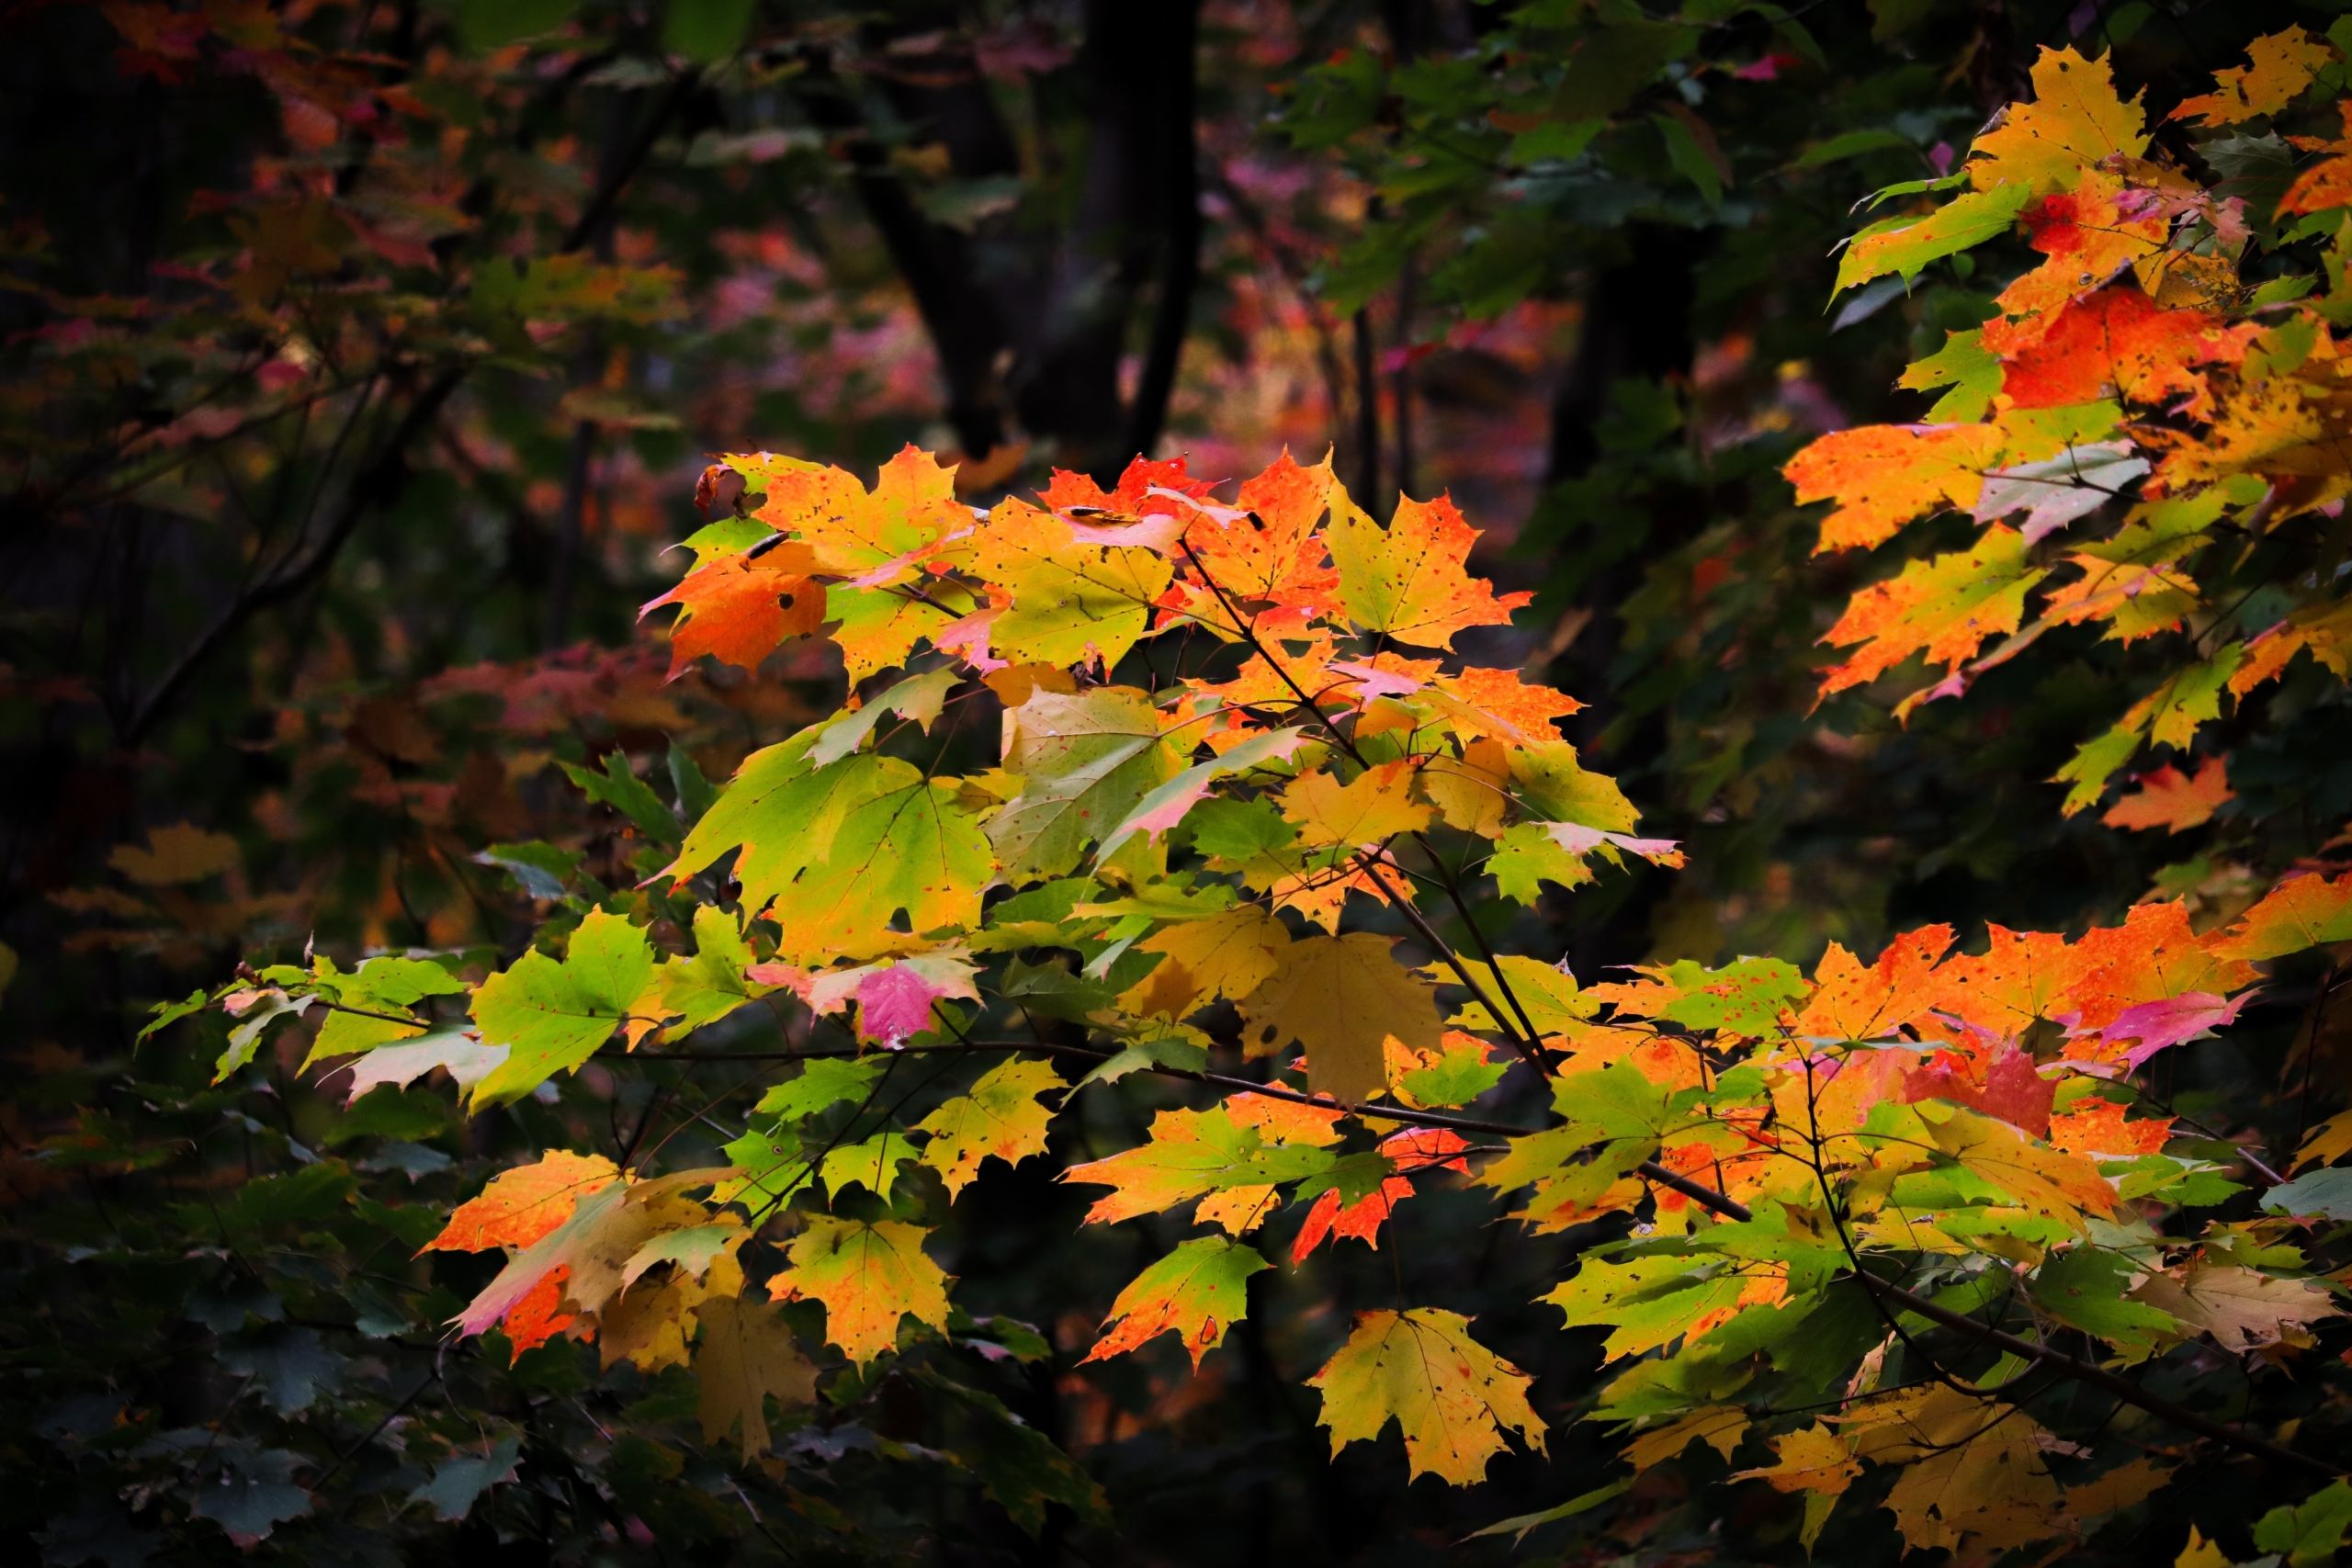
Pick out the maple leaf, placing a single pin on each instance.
(1652, 1301)
(2097, 1128)
(2154, 956)
(2325, 1143)
(1811, 1458)
(1340, 996)
(873, 1164)
(1882, 476)
(2327, 184)
(1944, 608)
(868, 1274)
(2011, 1091)
(2087, 233)
(853, 844)
(175, 856)
(1965, 1473)
(2325, 631)
(1850, 1002)
(606, 1228)
(1265, 551)
(1197, 1291)
(1086, 759)
(918, 698)
(2083, 1285)
(386, 985)
(688, 993)
(1456, 1074)
(1905, 246)
(2240, 1308)
(521, 1205)
(852, 532)
(1228, 956)
(1361, 814)
(878, 628)
(2158, 1025)
(746, 1354)
(2283, 64)
(1471, 793)
(1001, 1117)
(690, 1252)
(1450, 1396)
(2118, 343)
(1171, 803)
(741, 608)
(2304, 912)
(1406, 581)
(554, 1015)
(1063, 599)
(2074, 122)
(897, 1000)
(1247, 1143)
(2046, 1180)
(460, 1053)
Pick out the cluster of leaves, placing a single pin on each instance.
(1824, 1172)
(1935, 1232)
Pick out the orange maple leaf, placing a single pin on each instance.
(2087, 233)
(2118, 342)
(521, 1205)
(2154, 956)
(2096, 1126)
(741, 608)
(1850, 1002)
(2326, 184)
(1945, 608)
(540, 1317)
(2308, 912)
(1882, 476)
(2173, 801)
(2016, 981)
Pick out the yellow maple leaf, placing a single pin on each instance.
(1471, 792)
(2282, 65)
(853, 531)
(1970, 1469)
(1453, 1397)
(1720, 1428)
(1376, 808)
(1341, 997)
(1229, 955)
(1406, 581)
(747, 1353)
(2066, 1187)
(1000, 1118)
(868, 1274)
(176, 855)
(2075, 120)
(1814, 1459)
(2327, 1142)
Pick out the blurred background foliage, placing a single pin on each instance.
(356, 362)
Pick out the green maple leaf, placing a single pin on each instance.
(2085, 1285)
(553, 1016)
(1197, 1291)
(844, 847)
(1086, 758)
(707, 987)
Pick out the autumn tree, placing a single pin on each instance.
(1173, 861)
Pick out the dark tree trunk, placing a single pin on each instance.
(1031, 322)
